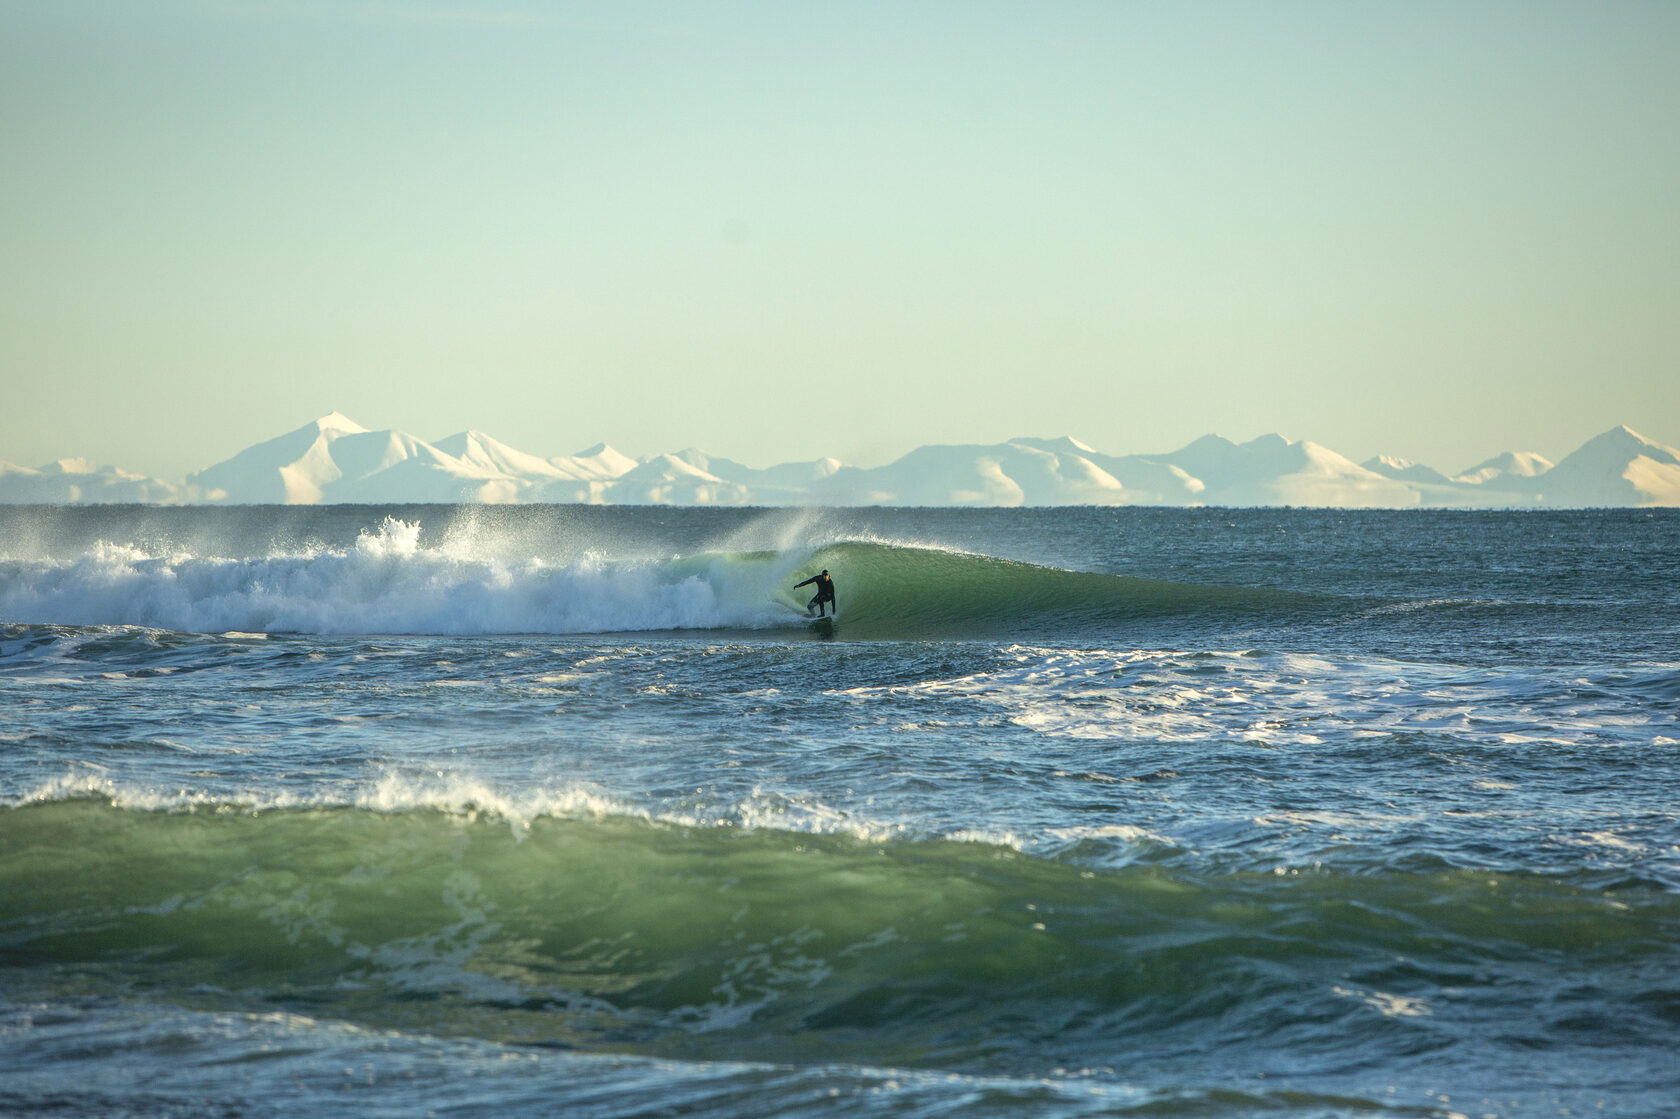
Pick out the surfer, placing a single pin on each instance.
(825, 593)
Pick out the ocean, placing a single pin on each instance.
(565, 810)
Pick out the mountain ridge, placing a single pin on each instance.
(335, 460)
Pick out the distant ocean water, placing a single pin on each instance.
(1080, 812)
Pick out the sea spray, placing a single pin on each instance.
(388, 583)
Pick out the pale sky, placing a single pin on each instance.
(779, 231)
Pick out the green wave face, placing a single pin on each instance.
(622, 935)
(896, 591)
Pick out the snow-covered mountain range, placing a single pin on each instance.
(336, 460)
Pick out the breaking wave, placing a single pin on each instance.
(607, 932)
(388, 582)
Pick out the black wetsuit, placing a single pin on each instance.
(825, 592)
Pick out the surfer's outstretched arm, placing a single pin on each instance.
(806, 583)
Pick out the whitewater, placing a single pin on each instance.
(1077, 812)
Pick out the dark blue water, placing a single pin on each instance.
(1079, 812)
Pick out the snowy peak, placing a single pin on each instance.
(1619, 467)
(1504, 468)
(69, 466)
(1272, 470)
(1619, 445)
(597, 463)
(1066, 445)
(335, 459)
(338, 423)
(1212, 459)
(486, 453)
(1405, 470)
(76, 481)
(1020, 472)
(686, 466)
(1271, 443)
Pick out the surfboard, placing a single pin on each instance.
(822, 627)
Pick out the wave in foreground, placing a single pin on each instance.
(389, 584)
(612, 934)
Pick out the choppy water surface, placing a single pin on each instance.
(1080, 812)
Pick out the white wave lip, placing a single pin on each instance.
(389, 583)
(468, 798)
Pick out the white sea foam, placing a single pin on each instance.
(1388, 1005)
(469, 799)
(389, 583)
(1267, 700)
